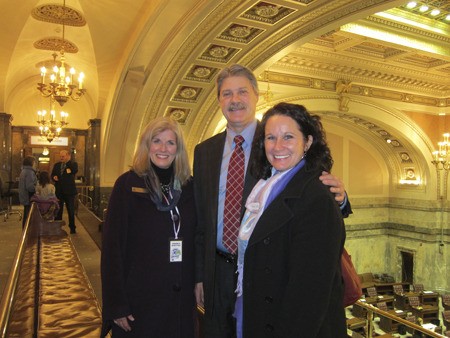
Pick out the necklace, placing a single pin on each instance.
(165, 188)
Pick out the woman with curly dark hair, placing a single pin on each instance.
(292, 234)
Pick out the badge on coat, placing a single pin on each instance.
(175, 250)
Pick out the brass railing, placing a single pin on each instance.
(83, 195)
(9, 291)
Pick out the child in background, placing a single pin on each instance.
(45, 197)
(45, 189)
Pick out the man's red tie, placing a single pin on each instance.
(233, 197)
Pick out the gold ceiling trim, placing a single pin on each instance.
(58, 14)
(356, 89)
(314, 61)
(405, 28)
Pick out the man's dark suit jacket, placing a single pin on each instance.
(207, 163)
(66, 182)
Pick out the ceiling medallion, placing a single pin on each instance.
(267, 11)
(240, 31)
(405, 157)
(188, 93)
(219, 52)
(56, 44)
(58, 14)
(178, 114)
(202, 72)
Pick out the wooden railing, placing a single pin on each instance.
(372, 310)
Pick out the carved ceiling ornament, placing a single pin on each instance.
(267, 12)
(218, 53)
(56, 44)
(240, 33)
(58, 14)
(201, 74)
(187, 94)
(178, 114)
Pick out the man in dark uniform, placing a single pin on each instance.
(63, 174)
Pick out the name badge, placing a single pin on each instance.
(175, 250)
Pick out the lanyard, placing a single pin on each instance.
(174, 217)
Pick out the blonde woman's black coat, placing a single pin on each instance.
(137, 277)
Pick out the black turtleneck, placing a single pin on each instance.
(164, 175)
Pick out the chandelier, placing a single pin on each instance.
(60, 84)
(49, 126)
(441, 157)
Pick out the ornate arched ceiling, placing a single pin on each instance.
(151, 58)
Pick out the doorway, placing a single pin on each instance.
(407, 266)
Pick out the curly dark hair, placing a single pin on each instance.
(318, 155)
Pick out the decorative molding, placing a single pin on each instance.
(410, 29)
(380, 73)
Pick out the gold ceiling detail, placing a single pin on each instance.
(56, 44)
(178, 114)
(267, 13)
(187, 94)
(218, 53)
(58, 14)
(201, 73)
(240, 34)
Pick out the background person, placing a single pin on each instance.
(63, 174)
(27, 185)
(45, 197)
(292, 234)
(237, 92)
(147, 276)
(45, 189)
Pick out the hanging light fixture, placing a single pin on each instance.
(49, 125)
(441, 157)
(60, 84)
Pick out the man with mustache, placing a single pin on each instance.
(237, 92)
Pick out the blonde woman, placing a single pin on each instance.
(147, 260)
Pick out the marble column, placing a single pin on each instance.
(5, 142)
(93, 162)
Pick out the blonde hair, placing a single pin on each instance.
(141, 161)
